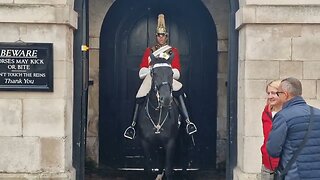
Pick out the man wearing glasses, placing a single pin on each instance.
(288, 132)
(162, 50)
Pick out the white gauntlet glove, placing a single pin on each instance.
(144, 72)
(176, 73)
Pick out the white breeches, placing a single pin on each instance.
(146, 86)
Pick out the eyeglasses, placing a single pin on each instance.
(279, 92)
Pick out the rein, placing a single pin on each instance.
(159, 124)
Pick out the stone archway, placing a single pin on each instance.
(103, 7)
(119, 69)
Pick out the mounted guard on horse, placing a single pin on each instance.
(164, 51)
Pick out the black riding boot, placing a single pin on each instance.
(130, 132)
(190, 127)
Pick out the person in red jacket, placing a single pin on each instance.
(273, 105)
(162, 50)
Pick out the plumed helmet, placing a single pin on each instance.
(161, 28)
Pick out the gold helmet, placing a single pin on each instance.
(161, 28)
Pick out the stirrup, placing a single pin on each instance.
(191, 128)
(130, 132)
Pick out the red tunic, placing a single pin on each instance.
(267, 161)
(175, 62)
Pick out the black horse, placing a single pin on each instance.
(159, 119)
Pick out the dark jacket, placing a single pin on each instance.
(288, 130)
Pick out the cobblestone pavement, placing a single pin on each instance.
(139, 175)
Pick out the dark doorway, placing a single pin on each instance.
(128, 28)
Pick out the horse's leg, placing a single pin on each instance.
(161, 161)
(169, 159)
(160, 176)
(147, 158)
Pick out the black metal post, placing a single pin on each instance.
(81, 71)
(232, 91)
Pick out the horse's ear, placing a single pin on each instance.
(153, 59)
(171, 58)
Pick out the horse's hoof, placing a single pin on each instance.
(159, 177)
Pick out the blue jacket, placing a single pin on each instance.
(288, 130)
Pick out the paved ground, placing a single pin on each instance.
(138, 175)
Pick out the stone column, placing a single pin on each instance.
(277, 39)
(36, 127)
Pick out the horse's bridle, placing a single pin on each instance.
(159, 124)
(156, 87)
